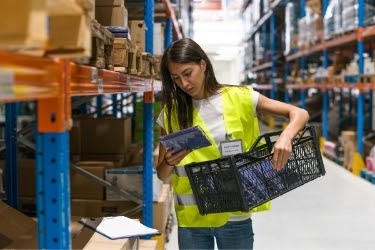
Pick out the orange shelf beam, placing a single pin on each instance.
(86, 80)
(330, 44)
(339, 41)
(26, 78)
(262, 86)
(262, 67)
(369, 32)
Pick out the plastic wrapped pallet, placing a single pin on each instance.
(329, 19)
(291, 26)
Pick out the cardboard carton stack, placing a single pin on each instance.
(21, 233)
(348, 139)
(58, 28)
(114, 15)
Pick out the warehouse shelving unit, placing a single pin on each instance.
(355, 38)
(51, 83)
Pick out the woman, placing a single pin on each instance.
(192, 96)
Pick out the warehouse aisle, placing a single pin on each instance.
(336, 211)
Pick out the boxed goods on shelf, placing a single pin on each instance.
(102, 47)
(104, 3)
(147, 68)
(314, 5)
(111, 15)
(291, 27)
(106, 136)
(81, 187)
(100, 208)
(58, 28)
(156, 66)
(148, 244)
(21, 233)
(138, 33)
(69, 29)
(348, 139)
(23, 24)
(120, 54)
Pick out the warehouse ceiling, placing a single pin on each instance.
(218, 27)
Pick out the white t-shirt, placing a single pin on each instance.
(211, 111)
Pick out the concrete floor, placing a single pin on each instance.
(336, 211)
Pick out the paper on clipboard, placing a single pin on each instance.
(118, 227)
(190, 139)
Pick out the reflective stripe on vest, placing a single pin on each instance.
(180, 171)
(184, 200)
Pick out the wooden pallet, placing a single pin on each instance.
(367, 79)
(134, 60)
(102, 47)
(156, 67)
(147, 68)
(120, 54)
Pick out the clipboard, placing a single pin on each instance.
(118, 227)
(189, 138)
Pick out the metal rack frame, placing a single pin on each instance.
(357, 37)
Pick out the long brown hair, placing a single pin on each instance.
(184, 51)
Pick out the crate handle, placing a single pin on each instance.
(267, 137)
(301, 133)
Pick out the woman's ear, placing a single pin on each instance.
(203, 65)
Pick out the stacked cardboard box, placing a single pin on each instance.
(111, 13)
(348, 139)
(21, 233)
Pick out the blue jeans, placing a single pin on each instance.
(233, 235)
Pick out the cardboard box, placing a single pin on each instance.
(109, 3)
(80, 186)
(84, 188)
(97, 208)
(148, 244)
(112, 16)
(20, 232)
(130, 179)
(120, 52)
(100, 208)
(75, 141)
(98, 241)
(24, 24)
(109, 136)
(349, 144)
(138, 33)
(70, 35)
(26, 176)
(162, 208)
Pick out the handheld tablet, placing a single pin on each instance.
(190, 139)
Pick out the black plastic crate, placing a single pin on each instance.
(244, 181)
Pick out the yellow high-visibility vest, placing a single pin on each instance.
(239, 119)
